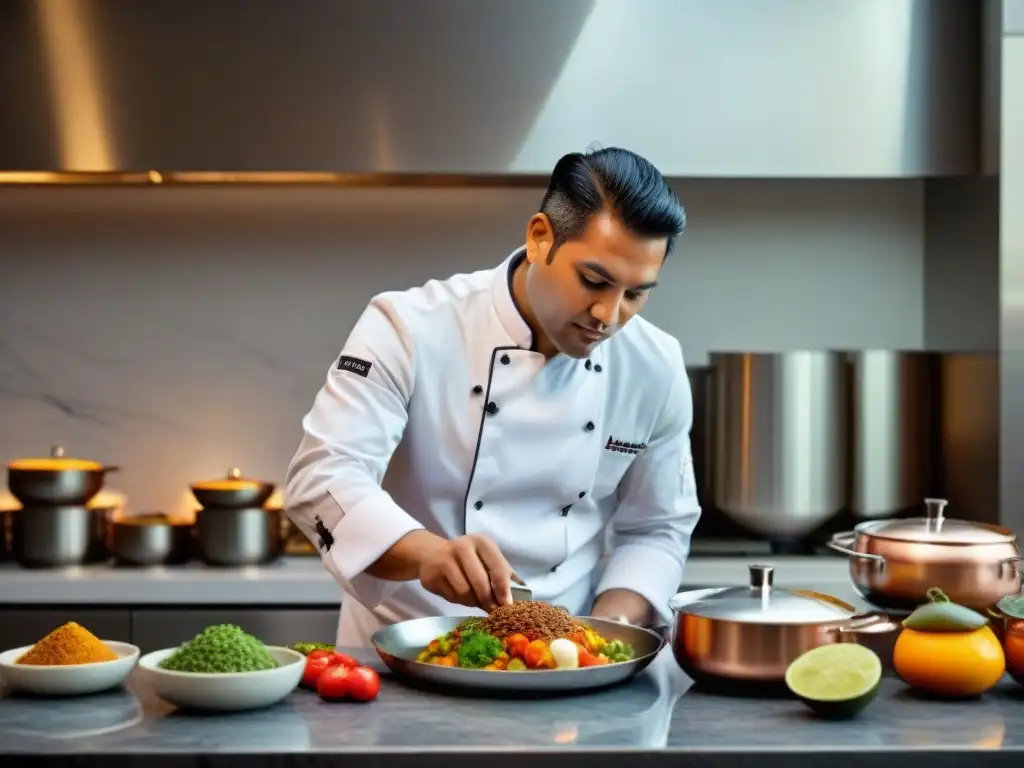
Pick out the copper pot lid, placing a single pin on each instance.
(935, 528)
(233, 481)
(56, 462)
(762, 603)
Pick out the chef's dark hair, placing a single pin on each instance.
(583, 184)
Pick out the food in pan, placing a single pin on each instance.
(526, 635)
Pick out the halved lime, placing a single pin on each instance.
(836, 681)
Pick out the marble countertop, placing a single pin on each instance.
(657, 718)
(302, 581)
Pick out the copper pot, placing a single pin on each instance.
(893, 563)
(752, 634)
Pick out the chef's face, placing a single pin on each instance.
(588, 288)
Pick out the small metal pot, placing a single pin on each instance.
(294, 540)
(57, 480)
(232, 492)
(53, 537)
(234, 537)
(151, 540)
(5, 536)
(893, 563)
(752, 634)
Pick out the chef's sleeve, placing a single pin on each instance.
(333, 487)
(657, 505)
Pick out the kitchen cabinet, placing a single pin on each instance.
(20, 626)
(155, 629)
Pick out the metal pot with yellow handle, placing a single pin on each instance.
(46, 536)
(234, 527)
(56, 480)
(232, 491)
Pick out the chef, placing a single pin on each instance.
(494, 425)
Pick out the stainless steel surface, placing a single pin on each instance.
(780, 439)
(233, 537)
(399, 644)
(701, 446)
(51, 537)
(894, 410)
(970, 434)
(151, 543)
(752, 634)
(237, 492)
(1011, 235)
(54, 484)
(893, 563)
(100, 85)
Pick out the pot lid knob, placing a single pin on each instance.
(56, 451)
(234, 473)
(761, 577)
(934, 512)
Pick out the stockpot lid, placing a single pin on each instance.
(762, 603)
(935, 528)
(233, 481)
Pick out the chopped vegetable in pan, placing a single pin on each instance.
(524, 635)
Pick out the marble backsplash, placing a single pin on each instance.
(179, 332)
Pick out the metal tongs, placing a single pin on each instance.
(520, 592)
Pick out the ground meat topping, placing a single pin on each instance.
(536, 620)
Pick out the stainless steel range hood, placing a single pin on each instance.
(218, 88)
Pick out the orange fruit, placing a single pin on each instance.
(949, 663)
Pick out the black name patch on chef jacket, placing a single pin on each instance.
(620, 446)
(354, 365)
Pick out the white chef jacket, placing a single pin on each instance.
(438, 415)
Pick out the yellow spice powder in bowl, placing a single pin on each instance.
(69, 661)
(68, 644)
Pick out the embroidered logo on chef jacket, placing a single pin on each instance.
(326, 539)
(619, 446)
(354, 365)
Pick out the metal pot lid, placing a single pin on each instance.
(56, 462)
(936, 528)
(762, 603)
(233, 481)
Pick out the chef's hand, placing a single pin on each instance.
(469, 570)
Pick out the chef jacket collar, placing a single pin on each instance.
(515, 325)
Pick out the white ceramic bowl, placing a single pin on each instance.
(69, 680)
(226, 691)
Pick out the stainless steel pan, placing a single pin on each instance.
(399, 644)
